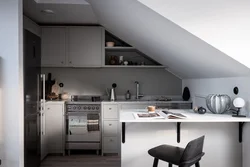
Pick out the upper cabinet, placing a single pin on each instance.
(54, 47)
(89, 46)
(85, 46)
(81, 46)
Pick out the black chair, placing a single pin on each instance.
(179, 156)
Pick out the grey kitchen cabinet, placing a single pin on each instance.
(110, 129)
(85, 46)
(54, 47)
(55, 127)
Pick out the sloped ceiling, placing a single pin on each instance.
(183, 53)
(224, 24)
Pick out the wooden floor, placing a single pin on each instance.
(81, 161)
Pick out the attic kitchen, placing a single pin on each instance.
(98, 72)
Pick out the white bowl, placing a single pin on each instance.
(110, 44)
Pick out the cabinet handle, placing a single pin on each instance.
(110, 124)
(111, 140)
(62, 62)
(70, 62)
(110, 108)
(48, 108)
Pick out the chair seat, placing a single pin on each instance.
(167, 153)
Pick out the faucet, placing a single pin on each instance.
(138, 91)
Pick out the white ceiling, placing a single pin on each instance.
(64, 13)
(184, 54)
(224, 24)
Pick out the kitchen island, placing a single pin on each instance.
(222, 147)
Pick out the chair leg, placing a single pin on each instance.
(155, 162)
(197, 164)
(170, 165)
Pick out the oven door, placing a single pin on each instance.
(83, 127)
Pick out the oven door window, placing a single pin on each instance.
(82, 123)
(77, 125)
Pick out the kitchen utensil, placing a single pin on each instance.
(48, 84)
(218, 104)
(96, 98)
(186, 94)
(55, 88)
(113, 60)
(65, 96)
(112, 92)
(120, 60)
(202, 110)
(110, 44)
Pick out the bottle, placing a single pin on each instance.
(128, 95)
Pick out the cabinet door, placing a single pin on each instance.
(55, 128)
(85, 46)
(53, 46)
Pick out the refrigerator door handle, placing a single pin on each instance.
(43, 92)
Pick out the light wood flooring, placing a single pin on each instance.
(81, 161)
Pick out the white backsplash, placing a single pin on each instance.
(94, 81)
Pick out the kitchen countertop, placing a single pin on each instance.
(127, 116)
(125, 101)
(144, 101)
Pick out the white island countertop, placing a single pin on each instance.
(127, 115)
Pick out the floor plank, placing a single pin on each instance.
(81, 161)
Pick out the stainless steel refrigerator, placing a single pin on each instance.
(32, 99)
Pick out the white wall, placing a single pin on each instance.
(225, 86)
(224, 24)
(95, 81)
(11, 83)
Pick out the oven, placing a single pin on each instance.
(83, 126)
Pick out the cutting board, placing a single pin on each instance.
(55, 88)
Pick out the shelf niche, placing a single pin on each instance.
(134, 57)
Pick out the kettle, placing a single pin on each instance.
(112, 94)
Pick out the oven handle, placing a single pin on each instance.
(79, 113)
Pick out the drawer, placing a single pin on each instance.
(110, 111)
(110, 128)
(110, 143)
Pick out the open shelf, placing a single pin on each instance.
(120, 48)
(122, 52)
(134, 66)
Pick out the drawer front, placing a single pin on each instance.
(110, 143)
(110, 128)
(110, 111)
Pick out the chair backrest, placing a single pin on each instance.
(193, 150)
